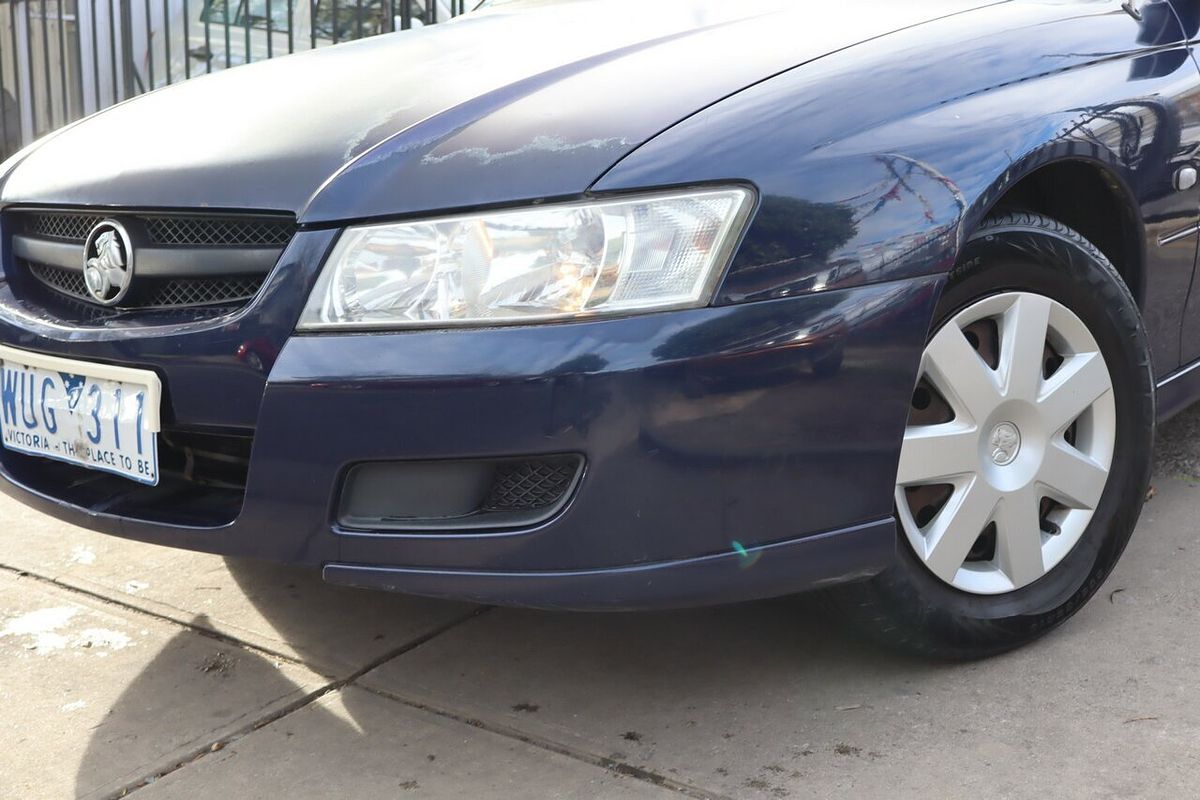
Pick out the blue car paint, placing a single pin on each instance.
(1047, 83)
(462, 114)
(735, 576)
(720, 465)
(655, 489)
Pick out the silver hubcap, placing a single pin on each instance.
(1009, 443)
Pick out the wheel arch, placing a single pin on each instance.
(1086, 191)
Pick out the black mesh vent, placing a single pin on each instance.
(530, 485)
(169, 230)
(203, 292)
(440, 497)
(62, 280)
(70, 227)
(177, 293)
(213, 262)
(219, 232)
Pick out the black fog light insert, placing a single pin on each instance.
(459, 495)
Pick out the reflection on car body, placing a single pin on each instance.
(610, 305)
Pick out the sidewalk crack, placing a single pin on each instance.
(333, 686)
(617, 767)
(219, 744)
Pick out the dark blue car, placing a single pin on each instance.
(608, 305)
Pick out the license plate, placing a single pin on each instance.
(94, 415)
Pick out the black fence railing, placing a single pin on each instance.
(63, 59)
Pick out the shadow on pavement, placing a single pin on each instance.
(226, 687)
(189, 686)
(711, 654)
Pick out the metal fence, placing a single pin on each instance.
(63, 59)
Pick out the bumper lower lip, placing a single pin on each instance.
(750, 574)
(711, 436)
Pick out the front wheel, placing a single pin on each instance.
(1026, 458)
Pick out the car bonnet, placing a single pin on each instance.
(525, 100)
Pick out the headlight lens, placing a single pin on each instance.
(541, 263)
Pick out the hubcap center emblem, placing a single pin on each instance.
(1004, 444)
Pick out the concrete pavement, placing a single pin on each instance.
(131, 669)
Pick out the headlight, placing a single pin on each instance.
(549, 262)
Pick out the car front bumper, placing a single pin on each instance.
(730, 452)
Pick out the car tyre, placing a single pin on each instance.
(965, 612)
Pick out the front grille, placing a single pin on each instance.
(529, 485)
(169, 229)
(63, 280)
(204, 292)
(65, 227)
(183, 261)
(218, 231)
(158, 293)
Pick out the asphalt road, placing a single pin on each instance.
(126, 668)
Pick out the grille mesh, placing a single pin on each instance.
(177, 293)
(531, 485)
(218, 232)
(170, 230)
(63, 280)
(69, 227)
(198, 235)
(204, 292)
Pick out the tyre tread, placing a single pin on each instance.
(890, 608)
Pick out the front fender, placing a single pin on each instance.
(875, 162)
